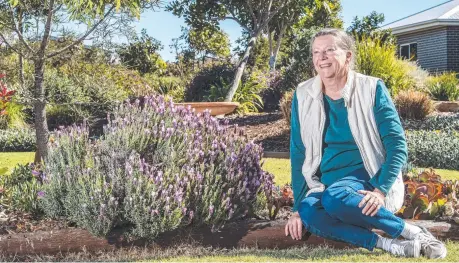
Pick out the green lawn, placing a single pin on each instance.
(302, 254)
(281, 170)
(9, 159)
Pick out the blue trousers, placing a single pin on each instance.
(334, 213)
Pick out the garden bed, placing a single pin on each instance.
(248, 234)
(271, 130)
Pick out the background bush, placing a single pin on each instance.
(432, 123)
(218, 74)
(20, 189)
(444, 87)
(17, 140)
(156, 168)
(413, 104)
(286, 106)
(378, 59)
(439, 149)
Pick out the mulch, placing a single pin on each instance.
(268, 129)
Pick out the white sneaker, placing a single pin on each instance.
(405, 248)
(430, 246)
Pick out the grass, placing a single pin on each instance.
(197, 253)
(8, 160)
(281, 170)
(309, 254)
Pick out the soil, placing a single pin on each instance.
(16, 222)
(269, 129)
(272, 131)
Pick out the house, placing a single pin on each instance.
(430, 37)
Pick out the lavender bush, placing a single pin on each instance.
(156, 168)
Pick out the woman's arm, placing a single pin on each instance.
(297, 151)
(393, 138)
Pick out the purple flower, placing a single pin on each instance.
(199, 176)
(211, 209)
(35, 173)
(40, 194)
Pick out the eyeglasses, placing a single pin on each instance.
(329, 51)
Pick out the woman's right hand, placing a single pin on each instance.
(294, 226)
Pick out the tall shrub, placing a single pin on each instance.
(379, 60)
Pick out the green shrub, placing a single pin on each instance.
(444, 87)
(17, 140)
(247, 95)
(156, 168)
(432, 123)
(212, 75)
(80, 95)
(379, 60)
(20, 189)
(172, 87)
(286, 106)
(438, 149)
(301, 67)
(413, 104)
(15, 117)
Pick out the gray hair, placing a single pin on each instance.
(344, 41)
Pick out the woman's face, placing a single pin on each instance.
(329, 60)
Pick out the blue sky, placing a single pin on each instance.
(164, 26)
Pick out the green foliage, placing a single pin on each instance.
(433, 123)
(211, 75)
(444, 87)
(438, 149)
(300, 66)
(247, 95)
(15, 117)
(141, 54)
(369, 26)
(156, 168)
(17, 140)
(379, 59)
(208, 41)
(20, 189)
(81, 91)
(286, 106)
(172, 87)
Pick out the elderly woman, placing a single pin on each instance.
(347, 149)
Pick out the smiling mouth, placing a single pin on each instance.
(325, 65)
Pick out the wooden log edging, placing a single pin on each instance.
(250, 233)
(278, 155)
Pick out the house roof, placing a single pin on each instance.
(443, 14)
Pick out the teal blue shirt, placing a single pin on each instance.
(340, 153)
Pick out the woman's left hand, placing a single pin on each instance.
(373, 201)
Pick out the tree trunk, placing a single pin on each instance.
(39, 108)
(21, 59)
(240, 69)
(275, 52)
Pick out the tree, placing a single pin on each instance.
(141, 54)
(369, 26)
(252, 15)
(307, 12)
(42, 20)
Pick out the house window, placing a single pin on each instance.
(409, 51)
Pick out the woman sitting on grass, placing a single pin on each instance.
(347, 150)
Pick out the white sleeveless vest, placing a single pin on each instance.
(359, 97)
